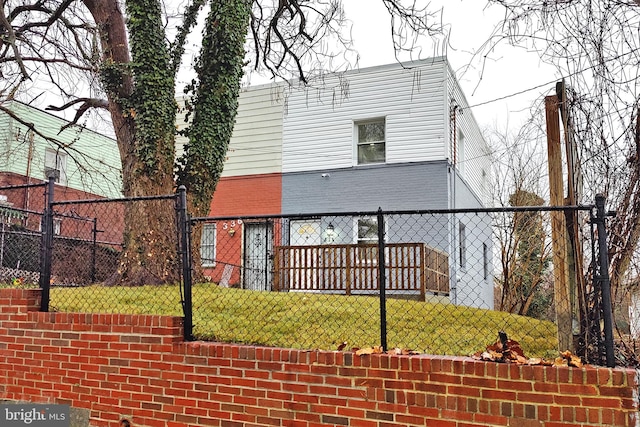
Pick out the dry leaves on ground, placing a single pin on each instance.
(377, 349)
(506, 350)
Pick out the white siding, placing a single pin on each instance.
(256, 142)
(474, 163)
(93, 160)
(319, 123)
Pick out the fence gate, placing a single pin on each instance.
(258, 256)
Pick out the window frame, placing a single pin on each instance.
(365, 241)
(462, 245)
(358, 144)
(59, 160)
(207, 261)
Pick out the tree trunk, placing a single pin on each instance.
(150, 255)
(139, 90)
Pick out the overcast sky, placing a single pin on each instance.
(506, 72)
(503, 73)
(501, 84)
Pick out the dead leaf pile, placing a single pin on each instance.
(377, 349)
(506, 350)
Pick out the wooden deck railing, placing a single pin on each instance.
(411, 268)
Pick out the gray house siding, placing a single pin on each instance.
(414, 186)
(471, 259)
(464, 197)
(367, 188)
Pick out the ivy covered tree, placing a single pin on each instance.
(117, 56)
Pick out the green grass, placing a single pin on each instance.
(318, 321)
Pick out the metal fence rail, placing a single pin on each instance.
(402, 279)
(396, 279)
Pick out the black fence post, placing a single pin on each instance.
(94, 236)
(47, 245)
(184, 226)
(382, 275)
(605, 283)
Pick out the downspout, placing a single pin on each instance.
(28, 172)
(454, 136)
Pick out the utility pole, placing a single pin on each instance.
(574, 250)
(558, 226)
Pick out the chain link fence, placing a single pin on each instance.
(92, 255)
(439, 282)
(21, 211)
(119, 270)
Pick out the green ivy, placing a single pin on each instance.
(214, 98)
(112, 77)
(152, 104)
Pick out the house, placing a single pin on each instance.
(86, 162)
(395, 137)
(86, 165)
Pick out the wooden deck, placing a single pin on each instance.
(411, 268)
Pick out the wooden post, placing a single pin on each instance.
(558, 226)
(574, 250)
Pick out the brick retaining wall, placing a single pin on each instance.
(138, 367)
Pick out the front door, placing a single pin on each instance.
(258, 256)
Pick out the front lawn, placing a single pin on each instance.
(318, 321)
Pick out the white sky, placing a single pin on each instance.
(506, 72)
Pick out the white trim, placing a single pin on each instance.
(210, 261)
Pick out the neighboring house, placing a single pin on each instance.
(396, 137)
(85, 160)
(86, 165)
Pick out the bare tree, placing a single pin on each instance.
(524, 249)
(127, 66)
(596, 46)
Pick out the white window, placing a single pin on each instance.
(208, 245)
(370, 142)
(461, 155)
(55, 161)
(367, 240)
(57, 226)
(462, 245)
(367, 231)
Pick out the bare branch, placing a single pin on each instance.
(11, 40)
(87, 103)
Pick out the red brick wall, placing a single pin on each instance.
(110, 217)
(137, 367)
(248, 195)
(240, 196)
